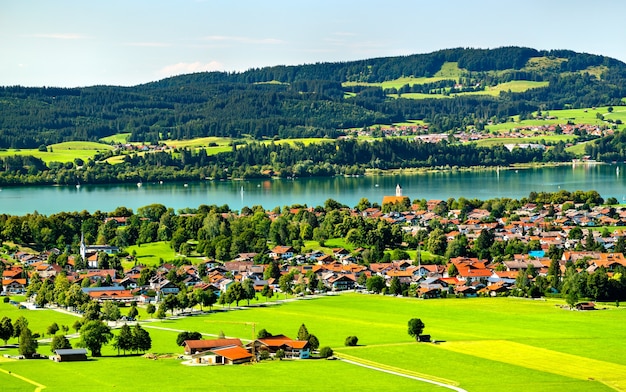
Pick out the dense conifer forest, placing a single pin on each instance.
(313, 100)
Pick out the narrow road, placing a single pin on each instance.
(28, 380)
(443, 385)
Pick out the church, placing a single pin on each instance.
(88, 252)
(397, 199)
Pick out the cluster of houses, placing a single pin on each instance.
(547, 225)
(231, 351)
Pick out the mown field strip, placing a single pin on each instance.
(573, 366)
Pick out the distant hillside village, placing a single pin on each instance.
(533, 250)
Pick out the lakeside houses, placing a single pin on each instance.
(544, 227)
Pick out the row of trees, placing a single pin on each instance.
(262, 160)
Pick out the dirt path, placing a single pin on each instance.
(39, 386)
(401, 374)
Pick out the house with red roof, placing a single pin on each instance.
(195, 346)
(292, 348)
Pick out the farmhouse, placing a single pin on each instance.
(195, 346)
(234, 355)
(292, 348)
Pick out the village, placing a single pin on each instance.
(543, 230)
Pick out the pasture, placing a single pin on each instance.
(61, 152)
(118, 138)
(490, 142)
(574, 116)
(486, 344)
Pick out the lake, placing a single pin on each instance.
(608, 180)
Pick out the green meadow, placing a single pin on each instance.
(118, 138)
(528, 139)
(485, 344)
(62, 152)
(575, 116)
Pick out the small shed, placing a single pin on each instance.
(69, 355)
(585, 306)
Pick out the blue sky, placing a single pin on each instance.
(91, 42)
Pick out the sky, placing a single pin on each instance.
(66, 43)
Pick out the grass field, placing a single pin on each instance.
(117, 138)
(488, 344)
(150, 254)
(62, 152)
(576, 116)
(529, 139)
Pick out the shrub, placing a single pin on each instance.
(280, 354)
(264, 354)
(6, 300)
(326, 352)
(351, 341)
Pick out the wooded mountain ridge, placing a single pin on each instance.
(314, 99)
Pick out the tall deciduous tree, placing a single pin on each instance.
(248, 286)
(6, 329)
(94, 334)
(375, 283)
(19, 324)
(59, 342)
(416, 327)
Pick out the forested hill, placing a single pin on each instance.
(449, 89)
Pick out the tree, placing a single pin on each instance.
(59, 342)
(199, 297)
(416, 327)
(6, 329)
(52, 329)
(267, 292)
(124, 340)
(248, 286)
(110, 311)
(375, 283)
(93, 334)
(303, 333)
(351, 341)
(286, 284)
(183, 300)
(187, 335)
(28, 344)
(150, 309)
(272, 271)
(209, 299)
(19, 324)
(395, 287)
(437, 242)
(313, 281)
(314, 343)
(77, 325)
(141, 339)
(160, 314)
(170, 302)
(280, 354)
(236, 292)
(133, 312)
(263, 334)
(91, 311)
(326, 352)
